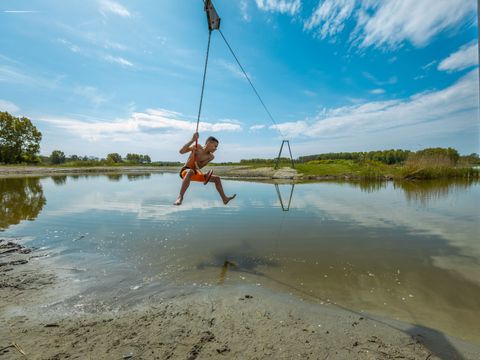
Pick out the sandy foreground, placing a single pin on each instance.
(220, 322)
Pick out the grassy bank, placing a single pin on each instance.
(347, 168)
(413, 169)
(378, 170)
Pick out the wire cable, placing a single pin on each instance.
(251, 84)
(203, 82)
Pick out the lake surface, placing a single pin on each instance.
(408, 251)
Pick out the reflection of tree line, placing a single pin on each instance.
(423, 191)
(62, 179)
(130, 177)
(420, 191)
(20, 199)
(23, 199)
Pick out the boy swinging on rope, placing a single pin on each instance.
(199, 157)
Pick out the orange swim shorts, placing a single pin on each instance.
(197, 176)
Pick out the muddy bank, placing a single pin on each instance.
(9, 171)
(21, 275)
(236, 322)
(228, 172)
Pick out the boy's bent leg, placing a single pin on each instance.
(185, 185)
(218, 184)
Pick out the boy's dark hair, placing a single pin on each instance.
(211, 138)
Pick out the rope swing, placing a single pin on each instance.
(214, 24)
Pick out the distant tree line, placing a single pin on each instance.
(58, 157)
(389, 157)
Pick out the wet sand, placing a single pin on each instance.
(221, 322)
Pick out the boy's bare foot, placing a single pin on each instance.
(178, 201)
(228, 198)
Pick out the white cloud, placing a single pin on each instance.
(416, 21)
(372, 78)
(464, 58)
(91, 53)
(439, 114)
(330, 16)
(152, 122)
(244, 10)
(377, 91)
(109, 6)
(16, 76)
(113, 45)
(8, 106)
(282, 6)
(118, 60)
(231, 121)
(90, 93)
(73, 48)
(256, 127)
(390, 23)
(19, 11)
(430, 64)
(8, 74)
(355, 100)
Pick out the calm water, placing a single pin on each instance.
(408, 251)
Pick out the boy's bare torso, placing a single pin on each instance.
(201, 157)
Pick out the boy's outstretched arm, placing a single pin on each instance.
(187, 147)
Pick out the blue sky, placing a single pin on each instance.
(101, 76)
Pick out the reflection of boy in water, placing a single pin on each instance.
(199, 157)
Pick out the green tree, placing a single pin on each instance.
(57, 157)
(138, 159)
(114, 158)
(146, 159)
(472, 159)
(134, 158)
(439, 153)
(19, 139)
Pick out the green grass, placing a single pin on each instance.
(346, 168)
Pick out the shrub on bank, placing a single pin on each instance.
(437, 163)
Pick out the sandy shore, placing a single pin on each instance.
(221, 322)
(7, 171)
